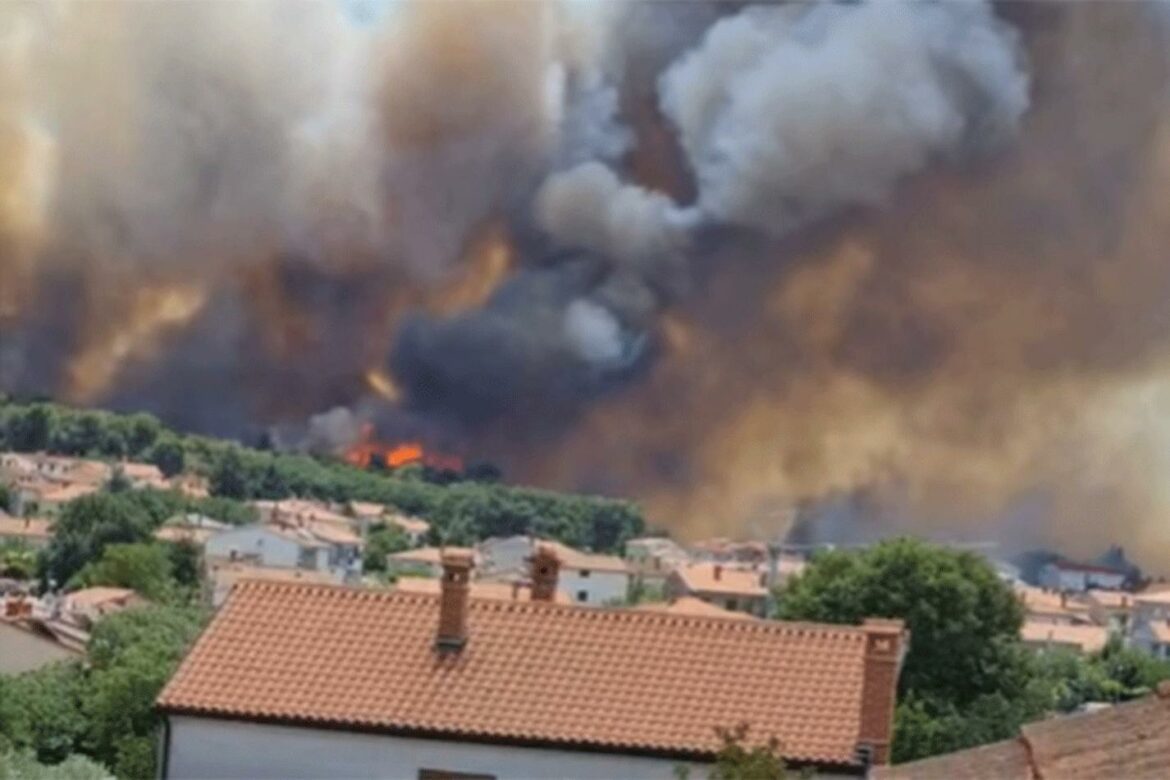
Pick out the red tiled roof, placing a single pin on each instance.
(1087, 639)
(530, 673)
(1130, 740)
(721, 579)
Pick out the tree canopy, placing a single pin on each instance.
(967, 679)
(103, 709)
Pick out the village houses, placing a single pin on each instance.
(352, 683)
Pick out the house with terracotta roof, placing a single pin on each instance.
(1130, 740)
(723, 585)
(1050, 606)
(588, 578)
(24, 644)
(1112, 609)
(193, 528)
(1084, 639)
(311, 681)
(30, 531)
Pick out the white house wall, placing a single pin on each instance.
(272, 549)
(598, 588)
(204, 749)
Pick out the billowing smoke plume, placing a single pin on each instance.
(725, 258)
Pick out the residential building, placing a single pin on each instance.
(1130, 740)
(295, 511)
(734, 589)
(46, 497)
(1081, 638)
(1151, 622)
(269, 546)
(416, 530)
(588, 578)
(24, 645)
(87, 606)
(1067, 576)
(144, 476)
(193, 528)
(1049, 606)
(1112, 609)
(350, 683)
(30, 531)
(651, 559)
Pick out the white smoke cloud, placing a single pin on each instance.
(788, 113)
(593, 332)
(589, 207)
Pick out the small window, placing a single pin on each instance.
(584, 573)
(582, 595)
(443, 774)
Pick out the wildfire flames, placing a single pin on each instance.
(368, 451)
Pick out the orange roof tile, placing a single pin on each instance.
(1087, 639)
(688, 605)
(721, 579)
(531, 673)
(1130, 740)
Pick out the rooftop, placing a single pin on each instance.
(1087, 639)
(722, 579)
(531, 673)
(25, 527)
(1130, 740)
(572, 558)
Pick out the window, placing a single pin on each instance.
(443, 774)
(584, 573)
(582, 595)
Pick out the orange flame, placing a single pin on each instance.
(368, 451)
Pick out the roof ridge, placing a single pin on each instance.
(786, 627)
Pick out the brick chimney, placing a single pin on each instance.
(546, 568)
(453, 594)
(718, 571)
(885, 641)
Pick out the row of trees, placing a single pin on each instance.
(966, 680)
(460, 511)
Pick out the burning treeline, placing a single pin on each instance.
(725, 258)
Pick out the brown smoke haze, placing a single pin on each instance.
(903, 262)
